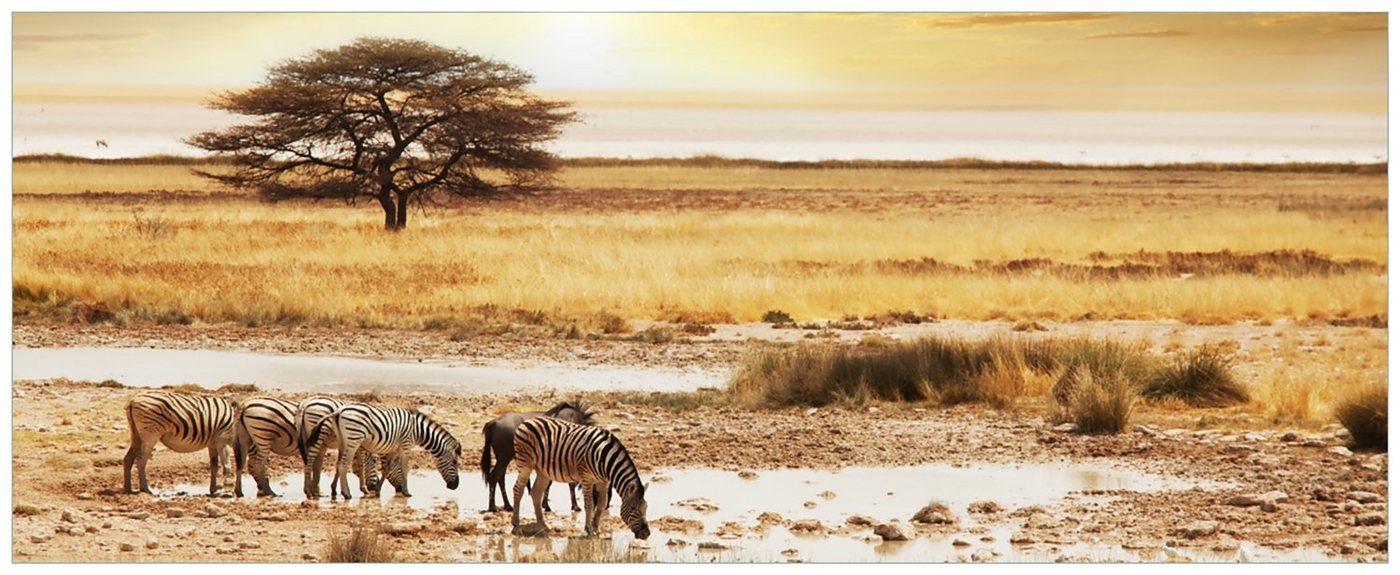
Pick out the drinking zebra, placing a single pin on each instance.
(313, 452)
(387, 432)
(499, 436)
(266, 425)
(184, 423)
(557, 450)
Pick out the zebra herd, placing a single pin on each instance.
(557, 445)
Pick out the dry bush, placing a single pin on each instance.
(1200, 379)
(1364, 415)
(1101, 403)
(364, 544)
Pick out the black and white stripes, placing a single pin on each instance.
(388, 432)
(559, 451)
(184, 423)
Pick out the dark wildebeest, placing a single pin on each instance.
(499, 435)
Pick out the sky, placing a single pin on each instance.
(1081, 60)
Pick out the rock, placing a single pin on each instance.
(1271, 498)
(984, 507)
(660, 479)
(308, 557)
(699, 504)
(1144, 430)
(401, 528)
(214, 511)
(1065, 428)
(1369, 519)
(827, 495)
(807, 526)
(1074, 559)
(769, 518)
(935, 514)
(126, 547)
(789, 552)
(37, 539)
(279, 516)
(1021, 538)
(676, 542)
(711, 545)
(860, 520)
(1314, 443)
(895, 531)
(1197, 529)
(983, 555)
(1291, 437)
(72, 516)
(1363, 497)
(249, 545)
(1339, 450)
(85, 496)
(746, 474)
(673, 523)
(1269, 506)
(958, 542)
(730, 530)
(152, 543)
(175, 512)
(809, 504)
(810, 412)
(139, 515)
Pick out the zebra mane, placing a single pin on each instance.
(576, 405)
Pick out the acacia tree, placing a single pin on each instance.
(398, 121)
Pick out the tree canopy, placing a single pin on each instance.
(398, 121)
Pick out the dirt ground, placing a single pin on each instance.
(69, 438)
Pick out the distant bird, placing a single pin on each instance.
(102, 143)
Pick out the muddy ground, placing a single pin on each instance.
(69, 438)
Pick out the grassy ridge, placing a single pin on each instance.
(713, 161)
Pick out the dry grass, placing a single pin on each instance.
(363, 545)
(1363, 413)
(1100, 403)
(656, 254)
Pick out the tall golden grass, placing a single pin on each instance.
(848, 249)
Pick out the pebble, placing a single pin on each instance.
(676, 542)
(1363, 497)
(72, 515)
(308, 557)
(860, 520)
(986, 506)
(1314, 443)
(1063, 428)
(126, 547)
(1291, 437)
(809, 504)
(174, 512)
(715, 545)
(983, 555)
(214, 511)
(698, 503)
(1339, 450)
(936, 514)
(249, 545)
(747, 475)
(37, 539)
(827, 495)
(895, 531)
(807, 526)
(1369, 519)
(402, 528)
(152, 544)
(1020, 538)
(958, 542)
(139, 515)
(1197, 529)
(769, 518)
(273, 517)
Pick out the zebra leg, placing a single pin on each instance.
(521, 479)
(342, 464)
(537, 495)
(573, 497)
(214, 453)
(258, 467)
(132, 456)
(589, 510)
(396, 476)
(311, 473)
(547, 483)
(148, 446)
(598, 494)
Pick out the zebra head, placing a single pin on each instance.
(445, 448)
(447, 461)
(634, 509)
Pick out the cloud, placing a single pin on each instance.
(1141, 34)
(994, 20)
(36, 40)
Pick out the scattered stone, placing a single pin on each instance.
(85, 496)
(139, 515)
(936, 514)
(37, 539)
(809, 504)
(810, 412)
(249, 545)
(1240, 447)
(1073, 559)
(1197, 529)
(711, 545)
(730, 530)
(807, 526)
(673, 523)
(1257, 499)
(214, 511)
(676, 542)
(984, 507)
(1363, 497)
(1269, 506)
(895, 531)
(769, 518)
(308, 557)
(827, 494)
(72, 516)
(152, 543)
(789, 552)
(125, 547)
(174, 512)
(279, 516)
(1314, 443)
(1021, 538)
(1065, 428)
(226, 550)
(401, 528)
(1339, 450)
(1369, 519)
(1291, 437)
(860, 520)
(983, 555)
(699, 504)
(746, 474)
(959, 542)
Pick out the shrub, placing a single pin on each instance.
(1364, 415)
(655, 334)
(1083, 358)
(1201, 379)
(611, 323)
(26, 510)
(1099, 403)
(362, 546)
(776, 316)
(1028, 325)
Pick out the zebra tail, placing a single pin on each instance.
(304, 445)
(486, 451)
(240, 447)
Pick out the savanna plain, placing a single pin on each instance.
(1215, 334)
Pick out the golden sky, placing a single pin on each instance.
(1250, 61)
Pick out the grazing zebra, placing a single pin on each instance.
(557, 450)
(309, 413)
(499, 436)
(184, 423)
(387, 431)
(267, 425)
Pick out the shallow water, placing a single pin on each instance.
(881, 493)
(336, 374)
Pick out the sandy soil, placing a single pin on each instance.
(69, 438)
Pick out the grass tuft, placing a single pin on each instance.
(1200, 379)
(1364, 415)
(1099, 404)
(363, 545)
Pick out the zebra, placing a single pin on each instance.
(387, 431)
(309, 413)
(266, 426)
(557, 450)
(184, 423)
(499, 436)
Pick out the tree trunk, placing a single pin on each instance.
(403, 210)
(391, 220)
